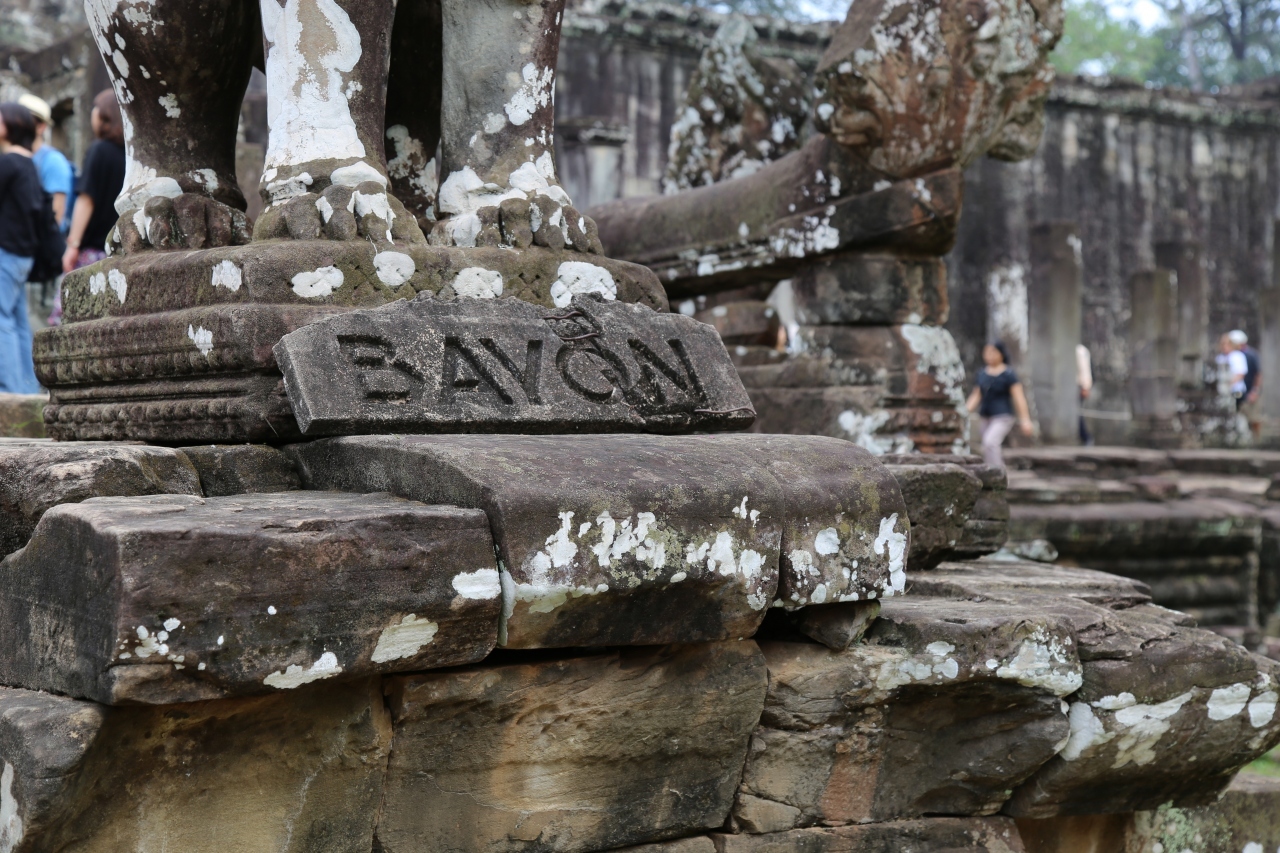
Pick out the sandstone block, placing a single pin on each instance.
(174, 598)
(238, 469)
(871, 289)
(505, 365)
(961, 835)
(299, 772)
(570, 756)
(845, 530)
(37, 475)
(1165, 712)
(939, 498)
(603, 540)
(943, 709)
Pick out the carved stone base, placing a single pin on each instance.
(176, 347)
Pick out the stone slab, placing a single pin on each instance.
(934, 835)
(1142, 529)
(294, 773)
(944, 708)
(1166, 711)
(38, 475)
(939, 497)
(570, 756)
(871, 289)
(610, 540)
(483, 365)
(239, 469)
(846, 531)
(174, 598)
(743, 323)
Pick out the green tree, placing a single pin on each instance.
(1096, 41)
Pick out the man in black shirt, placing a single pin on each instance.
(21, 205)
(103, 178)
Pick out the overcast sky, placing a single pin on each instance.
(1143, 11)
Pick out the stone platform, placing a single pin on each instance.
(576, 644)
(1200, 527)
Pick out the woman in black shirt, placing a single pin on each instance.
(21, 205)
(997, 398)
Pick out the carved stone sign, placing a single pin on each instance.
(505, 365)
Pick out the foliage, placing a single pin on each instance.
(1200, 44)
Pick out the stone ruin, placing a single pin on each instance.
(446, 534)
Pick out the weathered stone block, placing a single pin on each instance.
(943, 709)
(604, 540)
(485, 365)
(38, 475)
(845, 528)
(239, 469)
(939, 498)
(174, 598)
(1166, 712)
(871, 289)
(570, 756)
(961, 835)
(294, 773)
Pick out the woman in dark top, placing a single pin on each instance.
(997, 399)
(21, 206)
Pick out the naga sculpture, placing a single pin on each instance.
(908, 93)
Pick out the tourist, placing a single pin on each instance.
(56, 174)
(1084, 381)
(103, 177)
(996, 399)
(21, 209)
(1250, 384)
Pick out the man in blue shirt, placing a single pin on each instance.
(56, 175)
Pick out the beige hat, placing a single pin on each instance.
(38, 108)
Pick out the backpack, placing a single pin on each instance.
(50, 244)
(1254, 367)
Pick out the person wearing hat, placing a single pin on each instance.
(1247, 386)
(56, 175)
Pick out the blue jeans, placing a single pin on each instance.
(17, 370)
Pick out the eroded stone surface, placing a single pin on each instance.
(1165, 712)
(641, 539)
(38, 475)
(942, 709)
(22, 415)
(484, 365)
(967, 835)
(300, 773)
(846, 533)
(238, 469)
(575, 755)
(175, 598)
(872, 288)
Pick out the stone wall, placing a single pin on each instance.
(1136, 171)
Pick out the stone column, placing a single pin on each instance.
(1053, 310)
(1186, 259)
(1153, 341)
(1268, 345)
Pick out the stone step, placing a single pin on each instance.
(632, 539)
(175, 598)
(1208, 526)
(36, 475)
